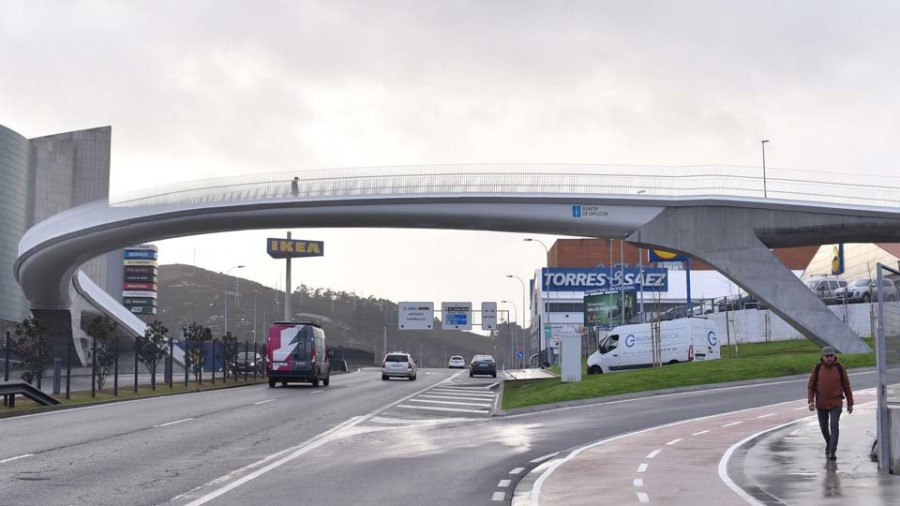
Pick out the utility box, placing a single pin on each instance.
(570, 349)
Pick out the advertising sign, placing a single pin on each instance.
(138, 293)
(658, 255)
(583, 279)
(555, 332)
(142, 309)
(146, 254)
(138, 278)
(457, 315)
(138, 301)
(141, 269)
(294, 248)
(606, 309)
(140, 262)
(415, 316)
(488, 315)
(139, 286)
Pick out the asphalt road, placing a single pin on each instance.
(359, 441)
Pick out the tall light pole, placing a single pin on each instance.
(545, 319)
(512, 349)
(765, 190)
(226, 293)
(524, 291)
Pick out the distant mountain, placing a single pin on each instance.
(191, 294)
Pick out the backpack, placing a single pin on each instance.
(840, 369)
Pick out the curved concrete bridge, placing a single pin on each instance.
(715, 214)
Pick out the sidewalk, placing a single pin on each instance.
(767, 455)
(527, 374)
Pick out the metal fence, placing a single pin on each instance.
(887, 351)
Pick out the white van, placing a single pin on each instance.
(630, 346)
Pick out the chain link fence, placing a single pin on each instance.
(887, 350)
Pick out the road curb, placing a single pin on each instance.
(652, 393)
(521, 495)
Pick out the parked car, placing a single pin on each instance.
(398, 365)
(249, 362)
(826, 287)
(483, 364)
(865, 290)
(457, 362)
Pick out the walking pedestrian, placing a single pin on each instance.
(828, 386)
(295, 187)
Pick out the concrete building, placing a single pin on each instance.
(42, 177)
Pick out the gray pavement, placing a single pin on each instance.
(350, 443)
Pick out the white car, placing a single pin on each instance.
(398, 365)
(457, 362)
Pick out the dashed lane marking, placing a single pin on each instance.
(498, 496)
(173, 423)
(643, 497)
(674, 442)
(653, 454)
(504, 483)
(700, 433)
(642, 468)
(263, 402)
(766, 416)
(732, 424)
(517, 470)
(4, 461)
(545, 457)
(638, 482)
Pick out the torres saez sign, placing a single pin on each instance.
(596, 279)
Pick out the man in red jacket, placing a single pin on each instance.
(827, 387)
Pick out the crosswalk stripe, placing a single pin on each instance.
(463, 397)
(454, 410)
(462, 391)
(454, 403)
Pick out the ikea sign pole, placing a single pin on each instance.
(288, 249)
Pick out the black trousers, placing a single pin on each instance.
(828, 422)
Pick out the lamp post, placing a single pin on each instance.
(226, 294)
(511, 349)
(545, 319)
(765, 190)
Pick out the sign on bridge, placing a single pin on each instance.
(457, 315)
(416, 316)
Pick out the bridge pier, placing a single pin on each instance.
(727, 239)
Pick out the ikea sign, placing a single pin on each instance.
(294, 248)
(598, 279)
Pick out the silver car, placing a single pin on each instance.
(398, 365)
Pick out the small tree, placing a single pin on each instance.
(229, 354)
(30, 347)
(152, 347)
(101, 330)
(195, 339)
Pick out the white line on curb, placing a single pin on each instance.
(653, 454)
(4, 461)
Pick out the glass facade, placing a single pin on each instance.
(41, 177)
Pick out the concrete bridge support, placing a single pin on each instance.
(728, 238)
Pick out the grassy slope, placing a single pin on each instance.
(758, 360)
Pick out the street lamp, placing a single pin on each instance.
(226, 294)
(765, 191)
(543, 319)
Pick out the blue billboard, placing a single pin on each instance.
(599, 279)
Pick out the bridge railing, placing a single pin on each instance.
(607, 180)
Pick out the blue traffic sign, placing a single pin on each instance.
(520, 354)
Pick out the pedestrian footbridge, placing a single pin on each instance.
(728, 217)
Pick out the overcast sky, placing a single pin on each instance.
(203, 89)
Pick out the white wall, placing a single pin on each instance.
(749, 325)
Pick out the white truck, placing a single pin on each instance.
(631, 346)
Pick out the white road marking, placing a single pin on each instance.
(545, 457)
(504, 483)
(732, 424)
(173, 423)
(263, 402)
(289, 454)
(766, 416)
(463, 392)
(642, 497)
(453, 403)
(638, 482)
(700, 433)
(653, 454)
(517, 470)
(642, 467)
(320, 391)
(498, 496)
(674, 442)
(463, 398)
(454, 410)
(4, 461)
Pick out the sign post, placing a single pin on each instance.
(288, 249)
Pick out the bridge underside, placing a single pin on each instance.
(736, 242)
